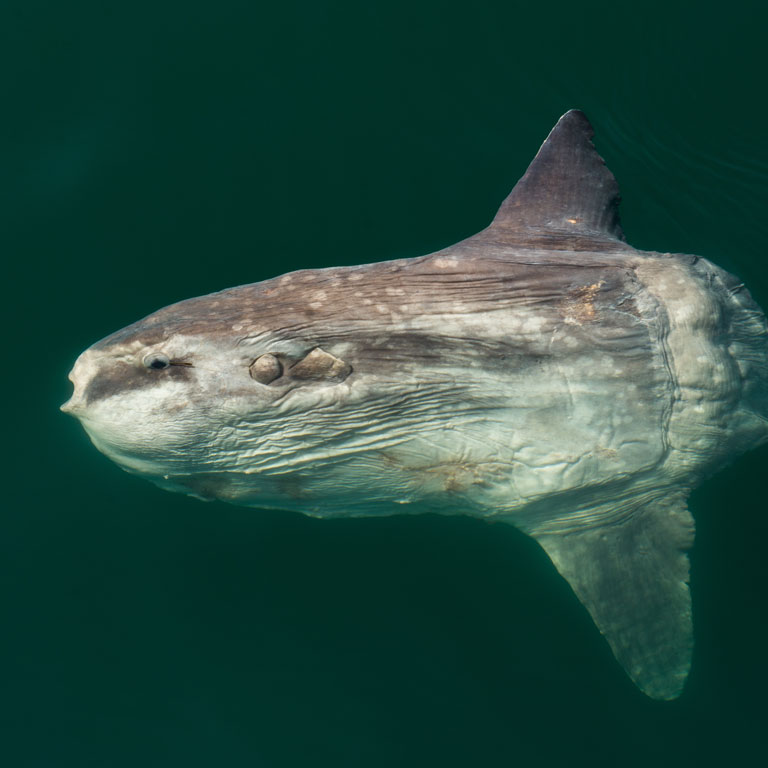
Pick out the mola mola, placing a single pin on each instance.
(542, 373)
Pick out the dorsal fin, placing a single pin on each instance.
(567, 188)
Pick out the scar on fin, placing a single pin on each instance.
(265, 369)
(320, 365)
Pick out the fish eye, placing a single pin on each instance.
(156, 361)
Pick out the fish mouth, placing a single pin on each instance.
(76, 405)
(72, 407)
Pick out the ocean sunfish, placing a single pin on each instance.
(541, 373)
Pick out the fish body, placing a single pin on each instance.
(542, 373)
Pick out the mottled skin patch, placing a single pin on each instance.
(579, 306)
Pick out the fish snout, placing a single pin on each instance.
(73, 406)
(80, 375)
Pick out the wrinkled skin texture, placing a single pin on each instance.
(542, 373)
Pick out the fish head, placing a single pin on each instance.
(152, 398)
(237, 394)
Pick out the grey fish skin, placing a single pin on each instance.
(542, 373)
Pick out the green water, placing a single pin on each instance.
(156, 151)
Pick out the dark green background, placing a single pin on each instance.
(155, 151)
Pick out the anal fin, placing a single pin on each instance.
(631, 575)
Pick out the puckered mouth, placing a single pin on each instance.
(74, 407)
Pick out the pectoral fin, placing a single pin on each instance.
(631, 575)
(319, 365)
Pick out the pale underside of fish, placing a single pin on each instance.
(542, 373)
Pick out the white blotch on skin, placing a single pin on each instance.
(532, 324)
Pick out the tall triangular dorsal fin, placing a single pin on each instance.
(567, 188)
(631, 575)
